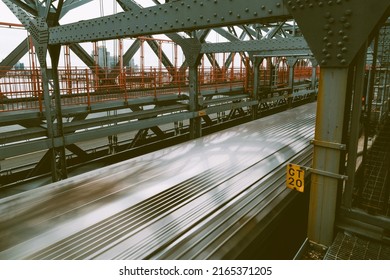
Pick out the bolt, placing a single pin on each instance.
(347, 25)
(348, 12)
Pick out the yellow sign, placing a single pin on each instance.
(295, 177)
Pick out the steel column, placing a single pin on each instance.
(329, 128)
(256, 76)
(291, 61)
(369, 97)
(314, 65)
(59, 172)
(195, 123)
(191, 48)
(355, 126)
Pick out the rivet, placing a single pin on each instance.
(329, 45)
(324, 51)
(230, 12)
(328, 56)
(347, 25)
(330, 32)
(345, 38)
(344, 49)
(289, 3)
(348, 12)
(325, 38)
(293, 8)
(326, 26)
(331, 20)
(330, 3)
(323, 62)
(341, 32)
(222, 18)
(340, 44)
(343, 19)
(301, 6)
(339, 56)
(327, 15)
(238, 16)
(338, 2)
(320, 4)
(262, 7)
(278, 4)
(255, 13)
(343, 61)
(311, 5)
(270, 11)
(246, 10)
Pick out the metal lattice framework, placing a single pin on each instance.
(331, 34)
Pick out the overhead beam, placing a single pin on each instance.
(283, 46)
(14, 57)
(170, 17)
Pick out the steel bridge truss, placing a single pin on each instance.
(273, 52)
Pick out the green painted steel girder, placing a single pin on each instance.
(170, 17)
(336, 30)
(282, 46)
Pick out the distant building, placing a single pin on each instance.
(106, 60)
(19, 66)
